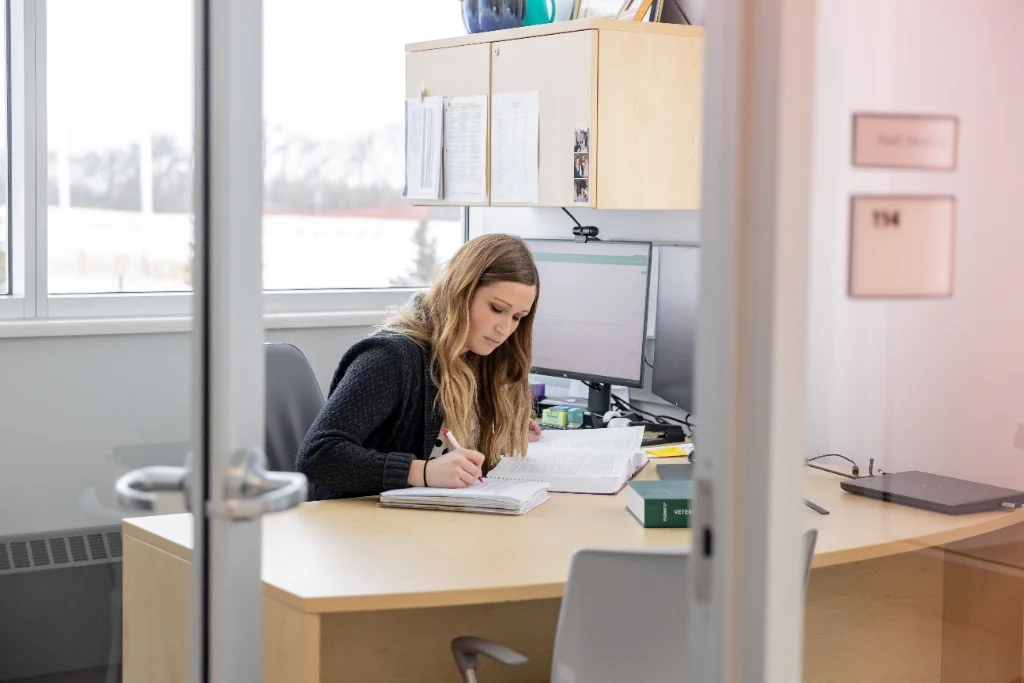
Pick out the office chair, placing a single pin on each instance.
(294, 400)
(616, 601)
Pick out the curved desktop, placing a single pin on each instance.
(353, 592)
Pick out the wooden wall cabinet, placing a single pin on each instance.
(637, 87)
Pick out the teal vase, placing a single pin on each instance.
(539, 12)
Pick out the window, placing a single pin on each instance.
(334, 87)
(119, 132)
(6, 258)
(116, 107)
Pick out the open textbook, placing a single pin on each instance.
(578, 461)
(584, 461)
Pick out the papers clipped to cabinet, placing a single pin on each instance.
(446, 148)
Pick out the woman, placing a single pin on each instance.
(457, 357)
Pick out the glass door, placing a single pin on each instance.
(233, 486)
(226, 481)
(861, 344)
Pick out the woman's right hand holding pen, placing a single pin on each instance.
(454, 470)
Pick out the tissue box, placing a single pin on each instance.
(557, 416)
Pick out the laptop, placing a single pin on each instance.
(934, 492)
(672, 470)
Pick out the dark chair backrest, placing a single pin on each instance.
(294, 400)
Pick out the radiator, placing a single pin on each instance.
(60, 603)
(55, 550)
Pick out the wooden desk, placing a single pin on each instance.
(353, 592)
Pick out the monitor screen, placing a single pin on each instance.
(675, 325)
(591, 318)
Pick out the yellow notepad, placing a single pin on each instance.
(671, 451)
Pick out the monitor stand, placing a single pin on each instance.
(599, 401)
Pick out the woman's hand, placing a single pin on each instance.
(455, 470)
(533, 432)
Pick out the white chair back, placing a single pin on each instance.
(623, 617)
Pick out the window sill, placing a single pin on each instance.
(94, 327)
(11, 308)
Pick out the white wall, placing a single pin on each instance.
(75, 412)
(937, 384)
(675, 227)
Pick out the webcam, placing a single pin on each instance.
(586, 233)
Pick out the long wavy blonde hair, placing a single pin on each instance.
(487, 398)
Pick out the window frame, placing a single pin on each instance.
(23, 17)
(8, 264)
(30, 299)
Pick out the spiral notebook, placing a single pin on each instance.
(491, 496)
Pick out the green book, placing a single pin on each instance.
(661, 503)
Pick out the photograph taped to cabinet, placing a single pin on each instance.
(581, 166)
(581, 145)
(582, 195)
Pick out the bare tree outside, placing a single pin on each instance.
(302, 177)
(425, 267)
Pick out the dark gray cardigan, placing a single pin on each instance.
(379, 416)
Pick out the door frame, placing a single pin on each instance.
(228, 363)
(746, 587)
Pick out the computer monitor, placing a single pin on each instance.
(591, 319)
(675, 325)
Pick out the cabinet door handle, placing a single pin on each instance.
(497, 50)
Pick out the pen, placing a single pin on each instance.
(455, 442)
(814, 506)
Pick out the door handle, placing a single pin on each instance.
(252, 490)
(135, 490)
